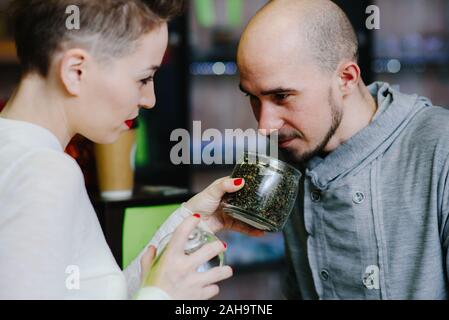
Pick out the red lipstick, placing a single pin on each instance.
(129, 123)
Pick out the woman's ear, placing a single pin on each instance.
(72, 70)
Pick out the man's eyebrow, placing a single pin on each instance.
(277, 91)
(269, 92)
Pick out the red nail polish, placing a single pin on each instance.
(225, 245)
(238, 182)
(197, 215)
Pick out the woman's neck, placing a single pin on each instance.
(35, 102)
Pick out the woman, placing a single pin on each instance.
(90, 80)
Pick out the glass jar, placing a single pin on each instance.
(268, 196)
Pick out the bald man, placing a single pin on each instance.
(371, 220)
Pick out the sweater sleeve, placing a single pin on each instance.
(443, 216)
(133, 271)
(38, 197)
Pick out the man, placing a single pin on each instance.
(372, 212)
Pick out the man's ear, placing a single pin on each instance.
(72, 70)
(348, 74)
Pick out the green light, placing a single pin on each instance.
(235, 8)
(205, 12)
(142, 152)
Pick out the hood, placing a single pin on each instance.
(394, 111)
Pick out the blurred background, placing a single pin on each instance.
(199, 82)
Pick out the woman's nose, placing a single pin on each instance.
(148, 100)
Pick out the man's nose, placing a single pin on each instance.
(268, 120)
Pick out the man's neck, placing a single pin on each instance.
(359, 111)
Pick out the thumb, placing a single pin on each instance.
(147, 259)
(225, 185)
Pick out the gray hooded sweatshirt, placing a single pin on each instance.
(371, 219)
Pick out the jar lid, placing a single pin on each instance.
(196, 240)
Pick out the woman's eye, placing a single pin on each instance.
(146, 80)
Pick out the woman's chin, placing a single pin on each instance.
(106, 139)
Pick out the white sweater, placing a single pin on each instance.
(49, 232)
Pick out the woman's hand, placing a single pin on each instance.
(176, 273)
(207, 203)
(146, 261)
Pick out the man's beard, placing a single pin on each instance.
(296, 156)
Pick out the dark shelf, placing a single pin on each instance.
(8, 53)
(274, 264)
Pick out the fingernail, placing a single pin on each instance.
(197, 215)
(225, 244)
(152, 248)
(238, 181)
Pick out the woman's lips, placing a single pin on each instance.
(129, 123)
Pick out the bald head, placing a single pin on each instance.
(317, 30)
